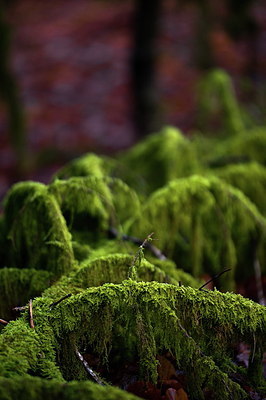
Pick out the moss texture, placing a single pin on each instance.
(218, 107)
(205, 225)
(93, 289)
(31, 388)
(144, 317)
(158, 159)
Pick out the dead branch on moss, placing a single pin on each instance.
(59, 301)
(154, 250)
(31, 315)
(3, 322)
(215, 277)
(88, 369)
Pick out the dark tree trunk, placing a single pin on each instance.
(10, 95)
(143, 66)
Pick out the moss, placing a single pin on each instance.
(204, 225)
(250, 178)
(32, 388)
(36, 230)
(91, 205)
(218, 105)
(155, 316)
(88, 165)
(17, 286)
(247, 147)
(158, 159)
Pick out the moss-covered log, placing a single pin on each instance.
(139, 320)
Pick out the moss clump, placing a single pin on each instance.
(91, 205)
(36, 231)
(218, 107)
(17, 286)
(250, 178)
(204, 225)
(249, 146)
(158, 159)
(88, 165)
(146, 318)
(32, 388)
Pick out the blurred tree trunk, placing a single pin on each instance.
(143, 66)
(241, 25)
(10, 95)
(204, 55)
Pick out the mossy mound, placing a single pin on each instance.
(17, 286)
(78, 243)
(250, 178)
(245, 147)
(204, 225)
(88, 165)
(139, 320)
(158, 159)
(218, 106)
(31, 388)
(35, 230)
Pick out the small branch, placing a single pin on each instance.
(92, 374)
(3, 322)
(59, 301)
(19, 308)
(31, 315)
(215, 277)
(157, 252)
(140, 253)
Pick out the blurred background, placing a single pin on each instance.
(95, 75)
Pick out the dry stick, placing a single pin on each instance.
(31, 315)
(3, 322)
(138, 241)
(19, 308)
(92, 374)
(215, 277)
(59, 301)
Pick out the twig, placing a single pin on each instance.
(88, 369)
(140, 253)
(31, 315)
(59, 301)
(157, 252)
(19, 308)
(215, 277)
(3, 322)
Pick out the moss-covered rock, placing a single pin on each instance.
(204, 225)
(158, 159)
(35, 230)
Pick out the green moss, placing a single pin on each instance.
(18, 286)
(36, 230)
(204, 225)
(31, 388)
(196, 327)
(250, 178)
(218, 107)
(88, 165)
(91, 205)
(158, 159)
(247, 147)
